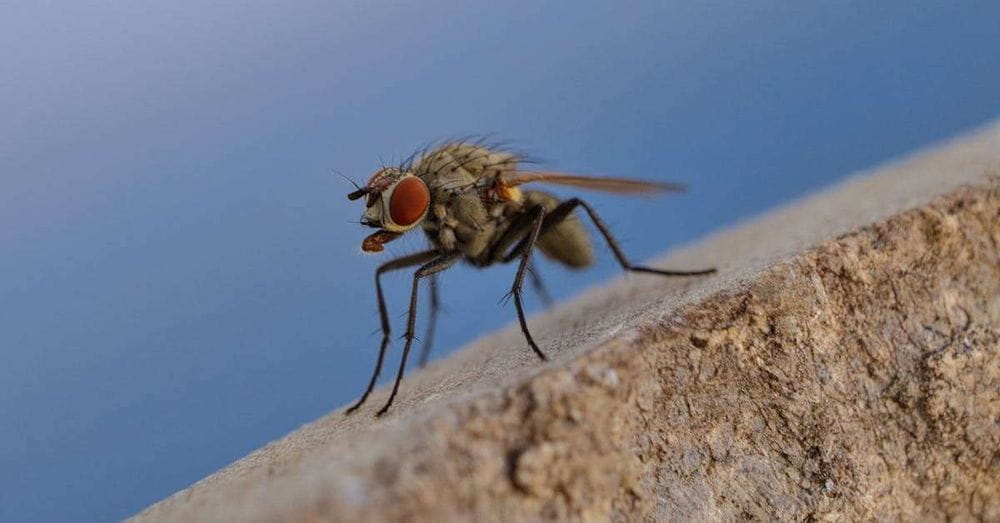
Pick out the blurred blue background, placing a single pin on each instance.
(180, 282)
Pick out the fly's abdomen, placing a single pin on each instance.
(567, 242)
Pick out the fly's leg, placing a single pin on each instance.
(562, 211)
(438, 264)
(425, 350)
(539, 285)
(391, 265)
(538, 217)
(518, 230)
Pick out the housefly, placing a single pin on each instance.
(467, 199)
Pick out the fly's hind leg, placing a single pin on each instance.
(538, 222)
(562, 211)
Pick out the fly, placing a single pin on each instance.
(467, 198)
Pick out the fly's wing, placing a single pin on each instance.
(462, 166)
(593, 183)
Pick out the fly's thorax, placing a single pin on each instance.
(458, 221)
(464, 160)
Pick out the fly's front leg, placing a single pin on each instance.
(434, 266)
(562, 211)
(391, 265)
(425, 350)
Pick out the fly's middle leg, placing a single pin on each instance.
(539, 285)
(537, 218)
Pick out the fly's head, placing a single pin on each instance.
(395, 202)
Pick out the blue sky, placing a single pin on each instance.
(180, 282)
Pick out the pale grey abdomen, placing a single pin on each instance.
(568, 242)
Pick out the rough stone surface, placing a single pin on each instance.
(843, 365)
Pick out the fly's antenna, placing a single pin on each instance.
(359, 193)
(354, 183)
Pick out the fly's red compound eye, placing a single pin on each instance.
(409, 201)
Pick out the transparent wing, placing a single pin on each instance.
(594, 183)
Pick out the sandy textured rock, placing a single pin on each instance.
(843, 364)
